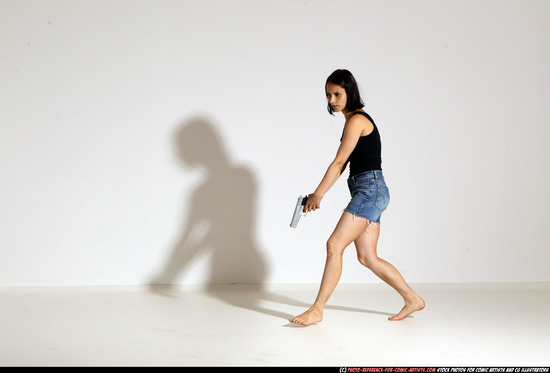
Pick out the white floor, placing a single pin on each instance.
(234, 325)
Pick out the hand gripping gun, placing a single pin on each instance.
(298, 211)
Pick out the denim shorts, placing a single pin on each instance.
(369, 195)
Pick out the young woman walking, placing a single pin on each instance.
(360, 222)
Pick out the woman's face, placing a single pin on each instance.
(336, 97)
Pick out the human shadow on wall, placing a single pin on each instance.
(220, 213)
(221, 221)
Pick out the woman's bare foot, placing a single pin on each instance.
(410, 307)
(309, 317)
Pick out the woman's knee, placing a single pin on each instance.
(367, 261)
(334, 247)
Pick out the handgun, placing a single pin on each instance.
(298, 211)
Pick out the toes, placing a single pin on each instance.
(395, 318)
(298, 321)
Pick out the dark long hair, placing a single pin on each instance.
(345, 79)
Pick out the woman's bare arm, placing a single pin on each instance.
(353, 130)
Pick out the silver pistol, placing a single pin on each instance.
(298, 211)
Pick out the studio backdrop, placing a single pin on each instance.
(168, 141)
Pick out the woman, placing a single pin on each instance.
(360, 223)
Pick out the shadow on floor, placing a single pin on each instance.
(254, 297)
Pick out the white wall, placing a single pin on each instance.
(106, 106)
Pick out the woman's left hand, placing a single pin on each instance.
(313, 203)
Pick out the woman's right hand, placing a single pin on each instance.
(313, 203)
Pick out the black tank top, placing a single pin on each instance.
(367, 154)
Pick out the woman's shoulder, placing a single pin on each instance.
(363, 120)
(362, 114)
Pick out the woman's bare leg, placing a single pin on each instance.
(366, 252)
(348, 229)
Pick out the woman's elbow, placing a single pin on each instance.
(338, 164)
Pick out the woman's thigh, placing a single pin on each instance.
(367, 242)
(348, 229)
